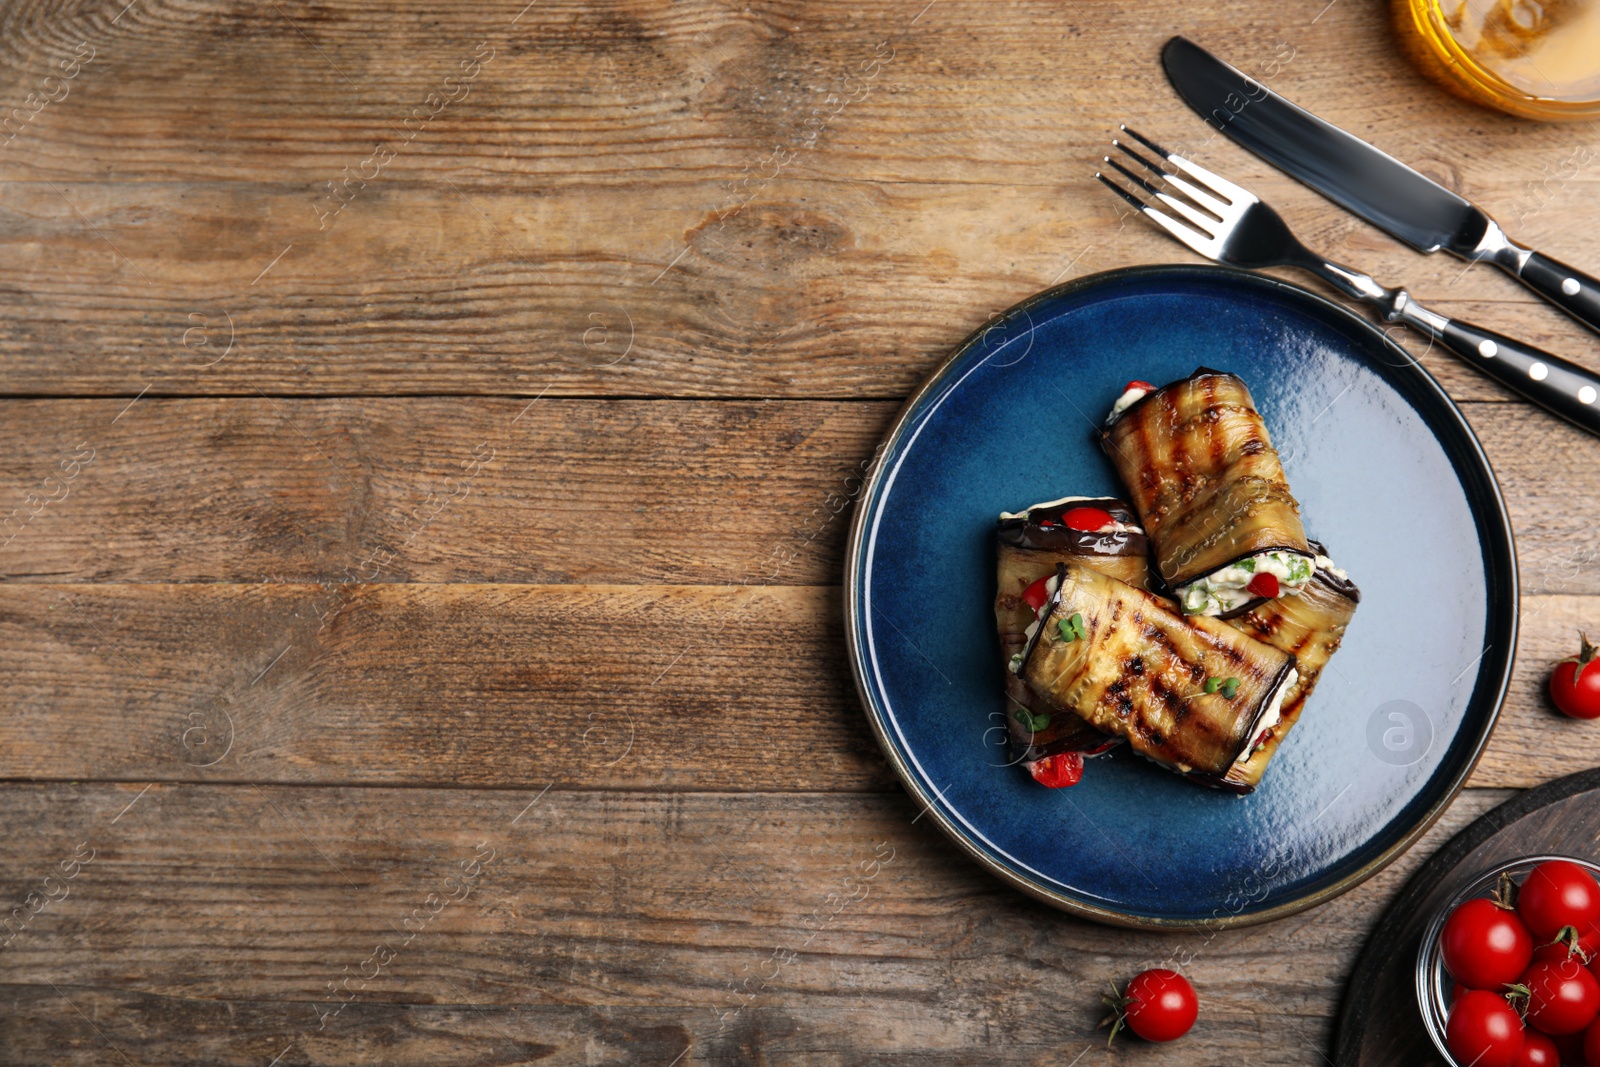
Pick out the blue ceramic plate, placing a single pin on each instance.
(1388, 476)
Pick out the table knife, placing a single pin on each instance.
(1365, 180)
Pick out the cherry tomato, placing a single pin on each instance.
(1137, 384)
(1160, 1005)
(1087, 519)
(1058, 771)
(1483, 1030)
(1574, 686)
(1591, 1045)
(1264, 584)
(1570, 1046)
(1563, 997)
(1557, 893)
(1036, 594)
(1537, 1051)
(1570, 942)
(1485, 946)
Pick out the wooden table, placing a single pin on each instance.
(430, 432)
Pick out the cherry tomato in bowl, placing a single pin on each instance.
(1485, 945)
(1555, 894)
(1562, 996)
(1538, 1050)
(1484, 1030)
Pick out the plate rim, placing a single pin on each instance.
(1501, 528)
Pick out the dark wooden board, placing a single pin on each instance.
(1380, 1023)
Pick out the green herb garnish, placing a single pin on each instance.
(1228, 687)
(1072, 629)
(1032, 721)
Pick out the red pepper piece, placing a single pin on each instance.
(1036, 594)
(1087, 519)
(1265, 585)
(1137, 384)
(1058, 771)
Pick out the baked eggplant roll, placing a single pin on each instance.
(1188, 692)
(1099, 532)
(1210, 492)
(1309, 625)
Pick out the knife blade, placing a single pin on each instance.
(1365, 180)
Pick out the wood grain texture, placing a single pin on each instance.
(346, 604)
(464, 489)
(645, 199)
(668, 687)
(448, 489)
(606, 925)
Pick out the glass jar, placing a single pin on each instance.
(1535, 58)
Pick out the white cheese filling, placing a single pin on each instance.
(1326, 564)
(1115, 527)
(1224, 589)
(1129, 397)
(1270, 717)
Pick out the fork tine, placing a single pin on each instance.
(1201, 221)
(1204, 243)
(1134, 178)
(1198, 195)
(1138, 205)
(1221, 186)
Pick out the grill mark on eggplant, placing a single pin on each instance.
(1157, 705)
(1202, 519)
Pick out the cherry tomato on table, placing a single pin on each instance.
(1484, 1030)
(1563, 997)
(1575, 683)
(1485, 945)
(1158, 1005)
(1557, 893)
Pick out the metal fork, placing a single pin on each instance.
(1229, 224)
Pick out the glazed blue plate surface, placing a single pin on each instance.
(1388, 476)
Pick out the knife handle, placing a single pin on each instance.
(1572, 291)
(1555, 384)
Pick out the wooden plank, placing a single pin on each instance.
(670, 687)
(622, 492)
(445, 490)
(826, 288)
(639, 201)
(211, 923)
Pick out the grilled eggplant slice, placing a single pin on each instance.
(1210, 492)
(1188, 692)
(1309, 625)
(1030, 544)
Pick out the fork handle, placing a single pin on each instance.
(1555, 384)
